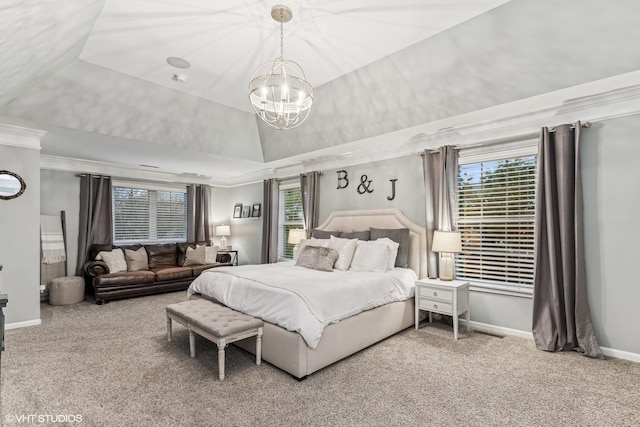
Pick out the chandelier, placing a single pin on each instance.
(278, 90)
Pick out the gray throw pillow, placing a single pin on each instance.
(321, 234)
(360, 235)
(136, 260)
(398, 235)
(317, 258)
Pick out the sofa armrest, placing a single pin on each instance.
(95, 268)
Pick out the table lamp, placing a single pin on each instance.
(447, 243)
(223, 231)
(295, 236)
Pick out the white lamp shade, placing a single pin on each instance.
(296, 235)
(446, 241)
(223, 230)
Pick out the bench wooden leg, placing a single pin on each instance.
(221, 347)
(169, 331)
(192, 342)
(259, 347)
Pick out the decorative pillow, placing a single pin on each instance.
(374, 255)
(211, 253)
(196, 256)
(398, 235)
(324, 243)
(360, 235)
(345, 249)
(317, 258)
(321, 234)
(114, 259)
(136, 260)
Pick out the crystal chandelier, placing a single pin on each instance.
(279, 92)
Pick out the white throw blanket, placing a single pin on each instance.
(52, 239)
(299, 299)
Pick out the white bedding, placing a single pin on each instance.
(300, 299)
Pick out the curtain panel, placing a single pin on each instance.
(270, 221)
(96, 225)
(198, 197)
(440, 169)
(561, 316)
(310, 189)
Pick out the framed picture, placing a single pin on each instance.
(246, 211)
(255, 212)
(237, 210)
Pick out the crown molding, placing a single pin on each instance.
(18, 136)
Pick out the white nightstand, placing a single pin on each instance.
(444, 297)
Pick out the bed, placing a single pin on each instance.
(301, 354)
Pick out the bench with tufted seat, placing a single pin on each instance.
(217, 323)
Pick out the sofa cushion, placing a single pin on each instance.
(182, 250)
(172, 273)
(162, 255)
(114, 259)
(124, 278)
(195, 256)
(136, 259)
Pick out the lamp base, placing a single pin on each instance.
(223, 243)
(445, 267)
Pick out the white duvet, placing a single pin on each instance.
(300, 299)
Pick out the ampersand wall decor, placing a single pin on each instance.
(365, 184)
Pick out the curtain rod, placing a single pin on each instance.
(491, 142)
(80, 175)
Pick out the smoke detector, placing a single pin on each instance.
(179, 77)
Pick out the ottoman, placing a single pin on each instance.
(66, 290)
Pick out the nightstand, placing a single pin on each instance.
(445, 297)
(233, 253)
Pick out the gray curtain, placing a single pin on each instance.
(561, 317)
(270, 222)
(96, 224)
(440, 168)
(309, 187)
(198, 213)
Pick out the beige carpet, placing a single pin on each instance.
(112, 366)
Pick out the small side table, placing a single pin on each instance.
(444, 297)
(233, 253)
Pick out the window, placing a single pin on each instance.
(148, 214)
(496, 205)
(290, 217)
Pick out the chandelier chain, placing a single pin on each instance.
(281, 35)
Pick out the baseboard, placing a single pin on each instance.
(499, 330)
(16, 325)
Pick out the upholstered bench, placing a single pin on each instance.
(217, 323)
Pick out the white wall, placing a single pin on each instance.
(20, 237)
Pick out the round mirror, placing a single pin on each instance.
(11, 185)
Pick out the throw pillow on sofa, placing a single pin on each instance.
(136, 260)
(114, 259)
(211, 254)
(195, 256)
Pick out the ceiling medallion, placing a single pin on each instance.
(278, 91)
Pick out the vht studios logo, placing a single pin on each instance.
(365, 186)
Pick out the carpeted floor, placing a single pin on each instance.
(112, 366)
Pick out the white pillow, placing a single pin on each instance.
(345, 248)
(211, 252)
(374, 255)
(323, 243)
(114, 259)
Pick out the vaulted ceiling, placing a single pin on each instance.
(93, 73)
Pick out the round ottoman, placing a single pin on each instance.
(66, 290)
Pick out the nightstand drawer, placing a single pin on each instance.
(431, 305)
(435, 293)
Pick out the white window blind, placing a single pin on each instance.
(148, 215)
(290, 216)
(496, 202)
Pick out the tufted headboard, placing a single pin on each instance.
(384, 218)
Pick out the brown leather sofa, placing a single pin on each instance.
(165, 273)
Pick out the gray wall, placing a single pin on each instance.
(20, 237)
(610, 175)
(246, 233)
(60, 191)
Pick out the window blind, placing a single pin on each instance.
(496, 206)
(290, 216)
(144, 215)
